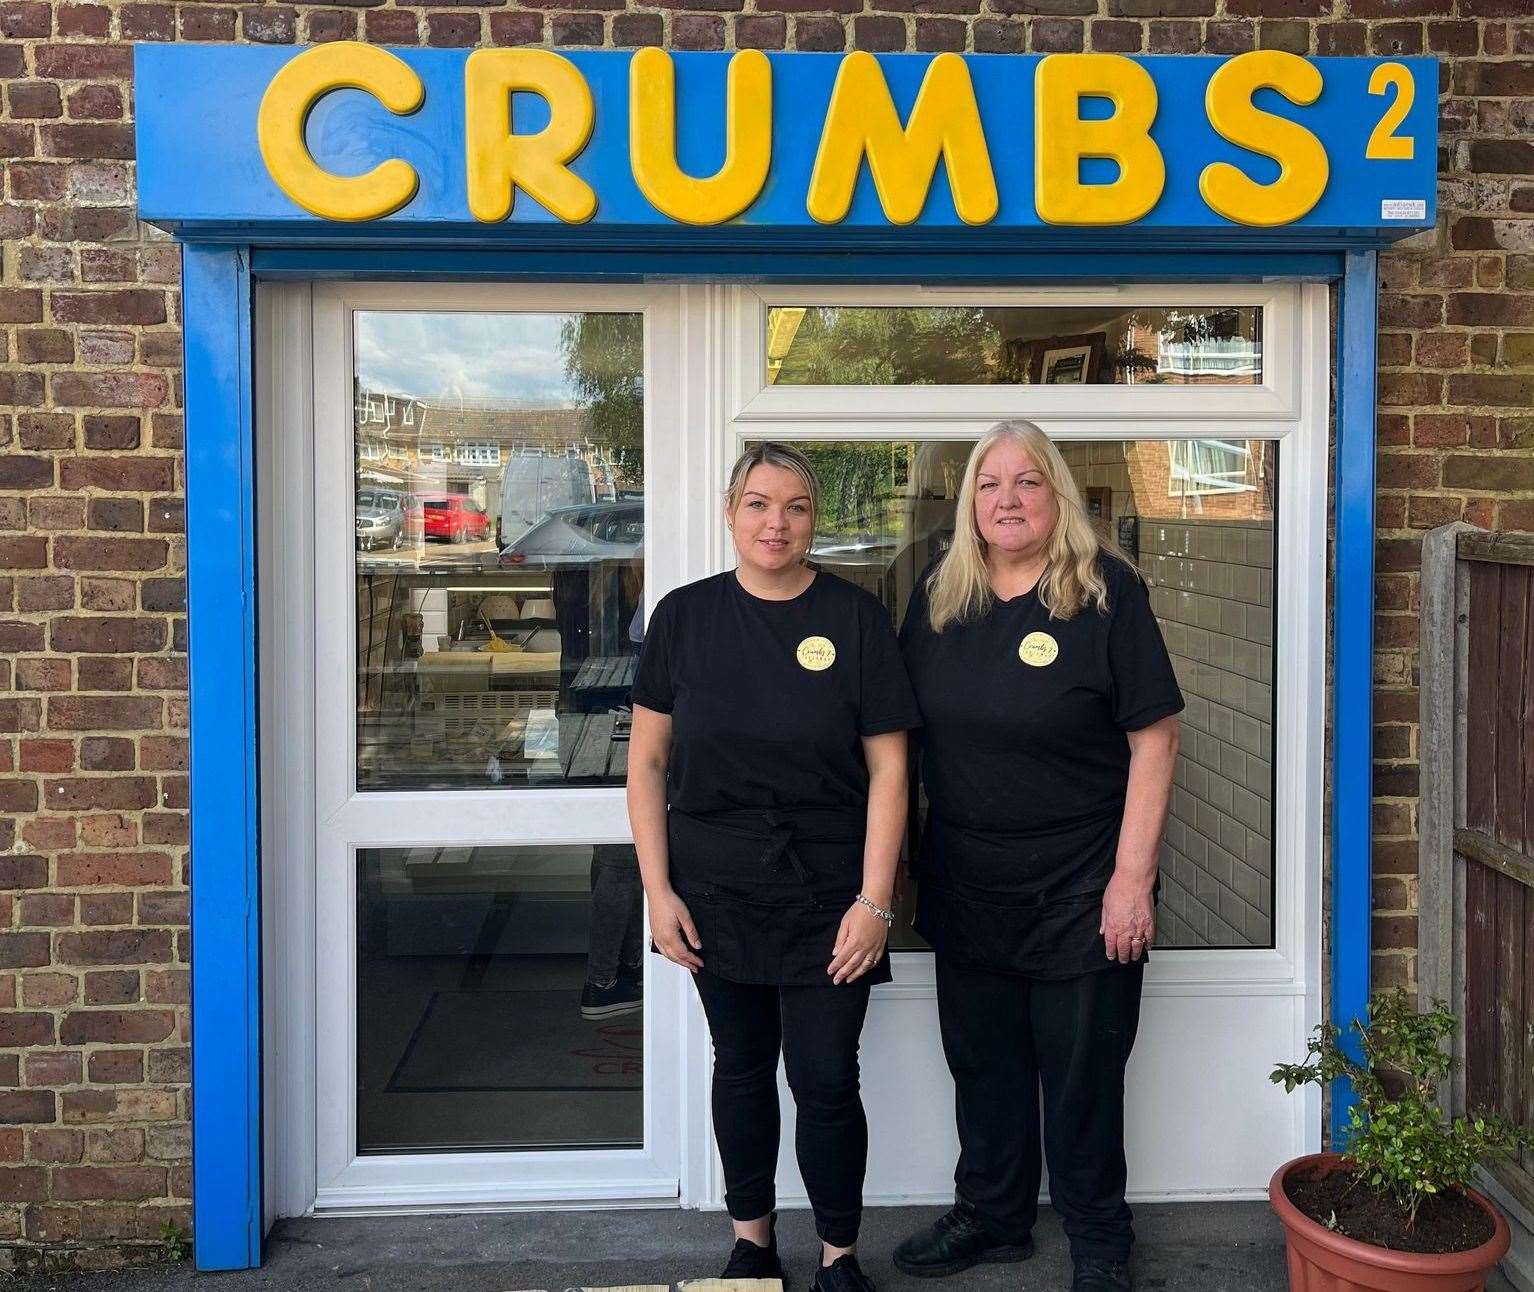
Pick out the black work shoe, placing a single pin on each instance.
(844, 1274)
(955, 1242)
(1094, 1274)
(622, 996)
(748, 1261)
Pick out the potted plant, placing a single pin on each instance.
(1395, 1211)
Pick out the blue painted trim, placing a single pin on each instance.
(789, 264)
(221, 590)
(1353, 660)
(226, 966)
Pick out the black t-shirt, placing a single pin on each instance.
(1025, 762)
(769, 700)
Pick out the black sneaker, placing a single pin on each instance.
(1093, 1274)
(623, 997)
(955, 1242)
(749, 1261)
(844, 1274)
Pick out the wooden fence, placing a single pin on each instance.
(1477, 824)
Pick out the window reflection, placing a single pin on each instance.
(1199, 518)
(1014, 345)
(499, 518)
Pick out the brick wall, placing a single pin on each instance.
(93, 1025)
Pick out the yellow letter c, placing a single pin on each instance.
(285, 107)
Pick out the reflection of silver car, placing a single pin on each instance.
(853, 550)
(380, 519)
(575, 536)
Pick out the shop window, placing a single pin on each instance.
(887, 509)
(497, 610)
(970, 345)
(475, 1027)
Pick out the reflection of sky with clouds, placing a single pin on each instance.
(463, 356)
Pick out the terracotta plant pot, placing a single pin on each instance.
(1323, 1261)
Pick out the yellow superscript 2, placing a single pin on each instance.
(944, 127)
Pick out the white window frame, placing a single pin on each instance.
(1278, 397)
(1291, 406)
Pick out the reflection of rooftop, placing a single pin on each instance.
(504, 422)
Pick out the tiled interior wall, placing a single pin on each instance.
(1213, 593)
(1212, 590)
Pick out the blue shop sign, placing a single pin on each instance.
(353, 137)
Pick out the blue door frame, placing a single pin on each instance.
(221, 575)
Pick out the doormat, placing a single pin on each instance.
(518, 1040)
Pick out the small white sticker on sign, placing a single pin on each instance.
(1403, 208)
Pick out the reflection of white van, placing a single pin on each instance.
(532, 485)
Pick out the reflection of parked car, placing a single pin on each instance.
(858, 550)
(380, 518)
(453, 516)
(532, 486)
(612, 531)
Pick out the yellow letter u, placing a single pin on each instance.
(652, 139)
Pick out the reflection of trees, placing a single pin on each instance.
(943, 345)
(604, 360)
(860, 485)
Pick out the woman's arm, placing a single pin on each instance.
(1128, 912)
(649, 757)
(860, 941)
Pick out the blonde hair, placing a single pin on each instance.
(959, 590)
(770, 453)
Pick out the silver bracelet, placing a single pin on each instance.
(887, 916)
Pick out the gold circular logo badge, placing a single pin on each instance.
(816, 654)
(1038, 649)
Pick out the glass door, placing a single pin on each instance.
(483, 536)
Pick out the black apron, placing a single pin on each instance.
(768, 889)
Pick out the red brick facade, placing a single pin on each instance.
(94, 1142)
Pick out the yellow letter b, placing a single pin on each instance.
(1062, 139)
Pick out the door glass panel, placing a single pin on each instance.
(499, 998)
(1198, 516)
(1106, 345)
(499, 517)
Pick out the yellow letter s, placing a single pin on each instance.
(1302, 162)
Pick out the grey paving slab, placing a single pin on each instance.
(1190, 1247)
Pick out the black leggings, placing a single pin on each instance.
(816, 1029)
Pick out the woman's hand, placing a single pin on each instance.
(674, 933)
(1128, 922)
(859, 944)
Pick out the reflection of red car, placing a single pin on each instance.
(453, 516)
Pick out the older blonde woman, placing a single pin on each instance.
(767, 793)
(1047, 750)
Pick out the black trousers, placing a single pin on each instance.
(1005, 1038)
(816, 1030)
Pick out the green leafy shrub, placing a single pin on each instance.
(1401, 1143)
